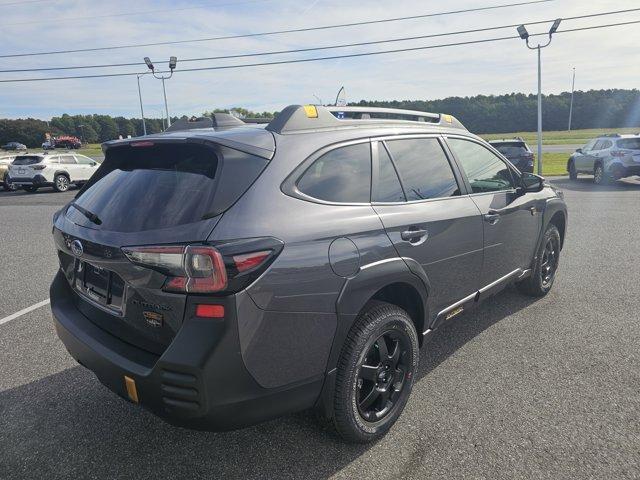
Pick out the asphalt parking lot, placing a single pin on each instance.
(521, 388)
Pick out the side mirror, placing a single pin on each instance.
(94, 164)
(579, 150)
(531, 183)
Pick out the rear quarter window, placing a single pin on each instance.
(629, 143)
(342, 175)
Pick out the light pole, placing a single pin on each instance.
(522, 31)
(82, 133)
(172, 65)
(573, 87)
(144, 124)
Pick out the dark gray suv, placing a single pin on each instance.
(221, 274)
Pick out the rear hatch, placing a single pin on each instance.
(26, 166)
(516, 152)
(629, 149)
(147, 193)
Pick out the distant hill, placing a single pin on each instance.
(517, 112)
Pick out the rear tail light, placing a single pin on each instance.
(205, 268)
(39, 167)
(190, 269)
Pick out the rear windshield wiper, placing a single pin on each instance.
(90, 215)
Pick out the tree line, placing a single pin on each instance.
(513, 112)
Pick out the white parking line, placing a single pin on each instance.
(24, 311)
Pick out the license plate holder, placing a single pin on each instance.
(99, 284)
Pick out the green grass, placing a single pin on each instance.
(91, 150)
(561, 137)
(553, 164)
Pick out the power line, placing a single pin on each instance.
(332, 57)
(22, 2)
(326, 47)
(65, 20)
(276, 32)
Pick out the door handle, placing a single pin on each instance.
(414, 236)
(492, 218)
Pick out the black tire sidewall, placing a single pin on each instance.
(551, 231)
(378, 321)
(55, 183)
(573, 174)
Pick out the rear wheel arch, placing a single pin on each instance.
(62, 172)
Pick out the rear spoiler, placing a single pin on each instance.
(219, 121)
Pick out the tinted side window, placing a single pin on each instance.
(67, 159)
(423, 168)
(342, 175)
(388, 188)
(606, 144)
(485, 171)
(82, 160)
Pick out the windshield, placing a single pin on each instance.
(629, 143)
(27, 160)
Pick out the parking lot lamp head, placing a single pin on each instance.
(147, 60)
(554, 27)
(172, 63)
(522, 31)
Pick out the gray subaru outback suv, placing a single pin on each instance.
(221, 274)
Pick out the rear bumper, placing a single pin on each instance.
(619, 170)
(35, 181)
(199, 382)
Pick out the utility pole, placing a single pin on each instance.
(573, 87)
(524, 35)
(144, 124)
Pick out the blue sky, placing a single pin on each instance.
(603, 58)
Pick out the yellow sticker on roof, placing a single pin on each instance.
(447, 118)
(311, 111)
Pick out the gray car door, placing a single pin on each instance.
(584, 161)
(426, 214)
(511, 220)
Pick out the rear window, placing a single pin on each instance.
(629, 143)
(511, 149)
(147, 188)
(27, 160)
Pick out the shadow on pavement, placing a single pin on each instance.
(69, 425)
(585, 184)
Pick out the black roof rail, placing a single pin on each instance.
(313, 117)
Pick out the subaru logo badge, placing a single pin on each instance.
(76, 248)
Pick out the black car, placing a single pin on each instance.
(14, 146)
(517, 152)
(226, 275)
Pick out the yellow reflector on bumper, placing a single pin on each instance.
(311, 111)
(132, 391)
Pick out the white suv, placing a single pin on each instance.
(58, 171)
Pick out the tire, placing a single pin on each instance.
(61, 183)
(30, 189)
(546, 265)
(7, 186)
(372, 387)
(599, 175)
(573, 173)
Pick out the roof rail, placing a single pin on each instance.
(611, 135)
(314, 117)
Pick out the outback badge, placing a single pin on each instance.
(153, 319)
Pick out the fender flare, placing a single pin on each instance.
(354, 295)
(61, 172)
(553, 206)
